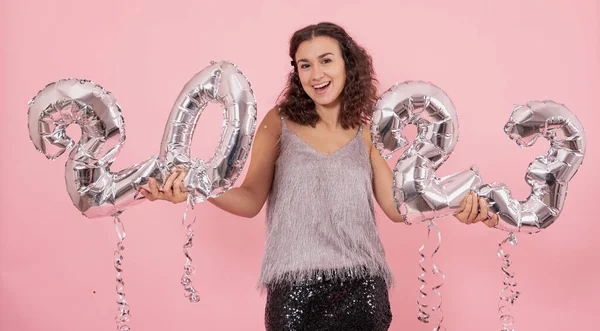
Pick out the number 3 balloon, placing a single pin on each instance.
(548, 175)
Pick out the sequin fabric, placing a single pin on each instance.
(359, 304)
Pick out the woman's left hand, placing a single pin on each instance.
(473, 210)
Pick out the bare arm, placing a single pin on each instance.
(248, 199)
(382, 181)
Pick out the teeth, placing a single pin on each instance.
(321, 85)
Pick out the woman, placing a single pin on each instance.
(324, 266)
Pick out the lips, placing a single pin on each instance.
(321, 88)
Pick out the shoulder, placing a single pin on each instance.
(271, 123)
(366, 135)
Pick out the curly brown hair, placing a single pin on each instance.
(360, 91)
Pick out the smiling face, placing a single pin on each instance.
(321, 70)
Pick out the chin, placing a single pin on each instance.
(327, 102)
(322, 102)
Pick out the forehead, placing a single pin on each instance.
(312, 48)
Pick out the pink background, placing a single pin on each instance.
(56, 266)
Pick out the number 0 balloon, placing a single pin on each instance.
(222, 83)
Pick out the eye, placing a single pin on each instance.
(304, 66)
(327, 60)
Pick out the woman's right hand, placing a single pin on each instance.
(171, 189)
(248, 199)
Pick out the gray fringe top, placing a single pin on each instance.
(320, 215)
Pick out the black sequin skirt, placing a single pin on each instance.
(360, 304)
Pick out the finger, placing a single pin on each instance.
(177, 184)
(146, 194)
(153, 188)
(168, 186)
(492, 221)
(468, 208)
(474, 208)
(463, 203)
(465, 208)
(483, 210)
(158, 194)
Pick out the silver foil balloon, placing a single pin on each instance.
(548, 175)
(222, 83)
(93, 188)
(418, 193)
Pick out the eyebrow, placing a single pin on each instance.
(320, 57)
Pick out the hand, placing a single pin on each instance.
(472, 212)
(171, 189)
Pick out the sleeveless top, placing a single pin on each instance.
(320, 215)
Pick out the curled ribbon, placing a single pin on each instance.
(508, 295)
(189, 270)
(123, 317)
(425, 313)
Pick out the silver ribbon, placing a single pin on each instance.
(189, 270)
(426, 310)
(123, 317)
(508, 295)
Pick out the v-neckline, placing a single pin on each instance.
(314, 149)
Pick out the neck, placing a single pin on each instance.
(329, 115)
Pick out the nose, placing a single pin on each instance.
(317, 72)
